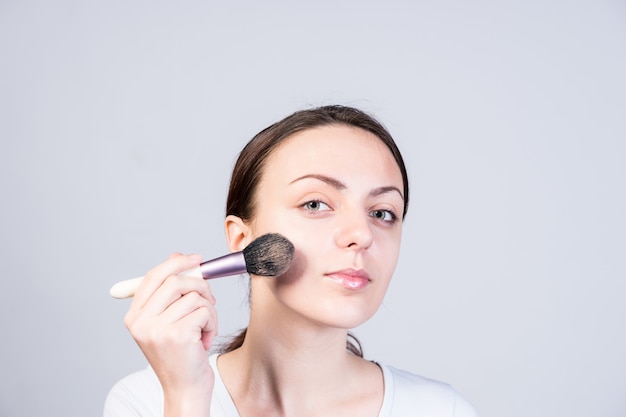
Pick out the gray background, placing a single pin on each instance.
(120, 121)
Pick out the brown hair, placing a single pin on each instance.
(249, 167)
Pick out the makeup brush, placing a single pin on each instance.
(268, 255)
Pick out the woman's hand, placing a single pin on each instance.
(173, 320)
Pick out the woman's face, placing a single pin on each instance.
(336, 193)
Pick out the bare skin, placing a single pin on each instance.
(335, 192)
(319, 380)
(174, 317)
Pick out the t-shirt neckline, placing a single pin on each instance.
(228, 408)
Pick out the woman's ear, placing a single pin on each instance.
(237, 233)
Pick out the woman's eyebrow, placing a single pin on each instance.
(335, 183)
(383, 190)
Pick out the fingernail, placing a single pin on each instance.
(195, 257)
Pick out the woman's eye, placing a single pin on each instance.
(384, 215)
(315, 205)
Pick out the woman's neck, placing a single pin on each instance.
(286, 367)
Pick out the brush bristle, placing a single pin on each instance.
(269, 255)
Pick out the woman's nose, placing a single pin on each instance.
(354, 231)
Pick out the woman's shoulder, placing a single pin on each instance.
(408, 394)
(138, 394)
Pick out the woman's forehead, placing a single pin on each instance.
(328, 140)
(337, 149)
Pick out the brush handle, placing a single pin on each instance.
(231, 264)
(127, 288)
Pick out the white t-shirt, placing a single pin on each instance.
(406, 395)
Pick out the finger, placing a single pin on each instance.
(171, 290)
(185, 305)
(191, 319)
(162, 334)
(155, 277)
(204, 320)
(173, 323)
(209, 332)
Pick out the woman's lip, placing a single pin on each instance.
(350, 278)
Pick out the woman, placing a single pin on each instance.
(333, 182)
